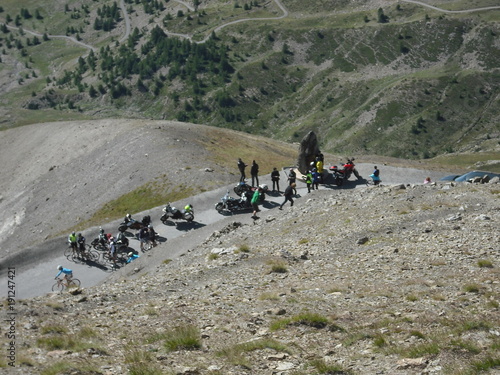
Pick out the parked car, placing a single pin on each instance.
(469, 176)
(451, 177)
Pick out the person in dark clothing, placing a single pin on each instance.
(288, 195)
(292, 177)
(375, 176)
(254, 171)
(275, 177)
(241, 167)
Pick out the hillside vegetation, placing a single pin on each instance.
(390, 78)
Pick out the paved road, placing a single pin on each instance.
(36, 267)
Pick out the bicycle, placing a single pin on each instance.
(86, 255)
(373, 182)
(64, 283)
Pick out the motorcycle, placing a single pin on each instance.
(176, 214)
(241, 188)
(341, 175)
(230, 204)
(134, 224)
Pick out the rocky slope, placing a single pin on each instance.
(382, 280)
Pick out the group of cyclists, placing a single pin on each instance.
(107, 242)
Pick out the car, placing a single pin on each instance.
(474, 174)
(451, 177)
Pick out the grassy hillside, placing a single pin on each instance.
(388, 78)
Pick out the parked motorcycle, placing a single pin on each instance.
(172, 213)
(341, 175)
(241, 188)
(134, 224)
(230, 204)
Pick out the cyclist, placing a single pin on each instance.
(68, 274)
(131, 257)
(103, 239)
(72, 240)
(112, 249)
(81, 245)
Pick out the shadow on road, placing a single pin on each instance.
(185, 226)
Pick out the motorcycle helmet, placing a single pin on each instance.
(79, 234)
(130, 254)
(264, 187)
(129, 216)
(149, 226)
(101, 231)
(59, 268)
(72, 233)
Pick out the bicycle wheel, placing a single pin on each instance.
(73, 283)
(57, 287)
(148, 245)
(92, 255)
(68, 253)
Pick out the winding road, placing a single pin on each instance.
(35, 275)
(218, 28)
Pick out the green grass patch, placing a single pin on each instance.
(65, 367)
(141, 362)
(183, 338)
(471, 288)
(150, 195)
(235, 356)
(485, 263)
(306, 318)
(328, 368)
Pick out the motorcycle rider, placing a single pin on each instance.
(143, 236)
(292, 177)
(152, 234)
(121, 239)
(254, 170)
(309, 181)
(350, 166)
(241, 167)
(256, 198)
(103, 239)
(275, 177)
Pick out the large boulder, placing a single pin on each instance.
(308, 150)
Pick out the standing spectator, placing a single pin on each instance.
(309, 181)
(241, 167)
(275, 177)
(292, 177)
(112, 250)
(254, 171)
(288, 195)
(72, 240)
(152, 235)
(81, 245)
(143, 237)
(256, 197)
(315, 179)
